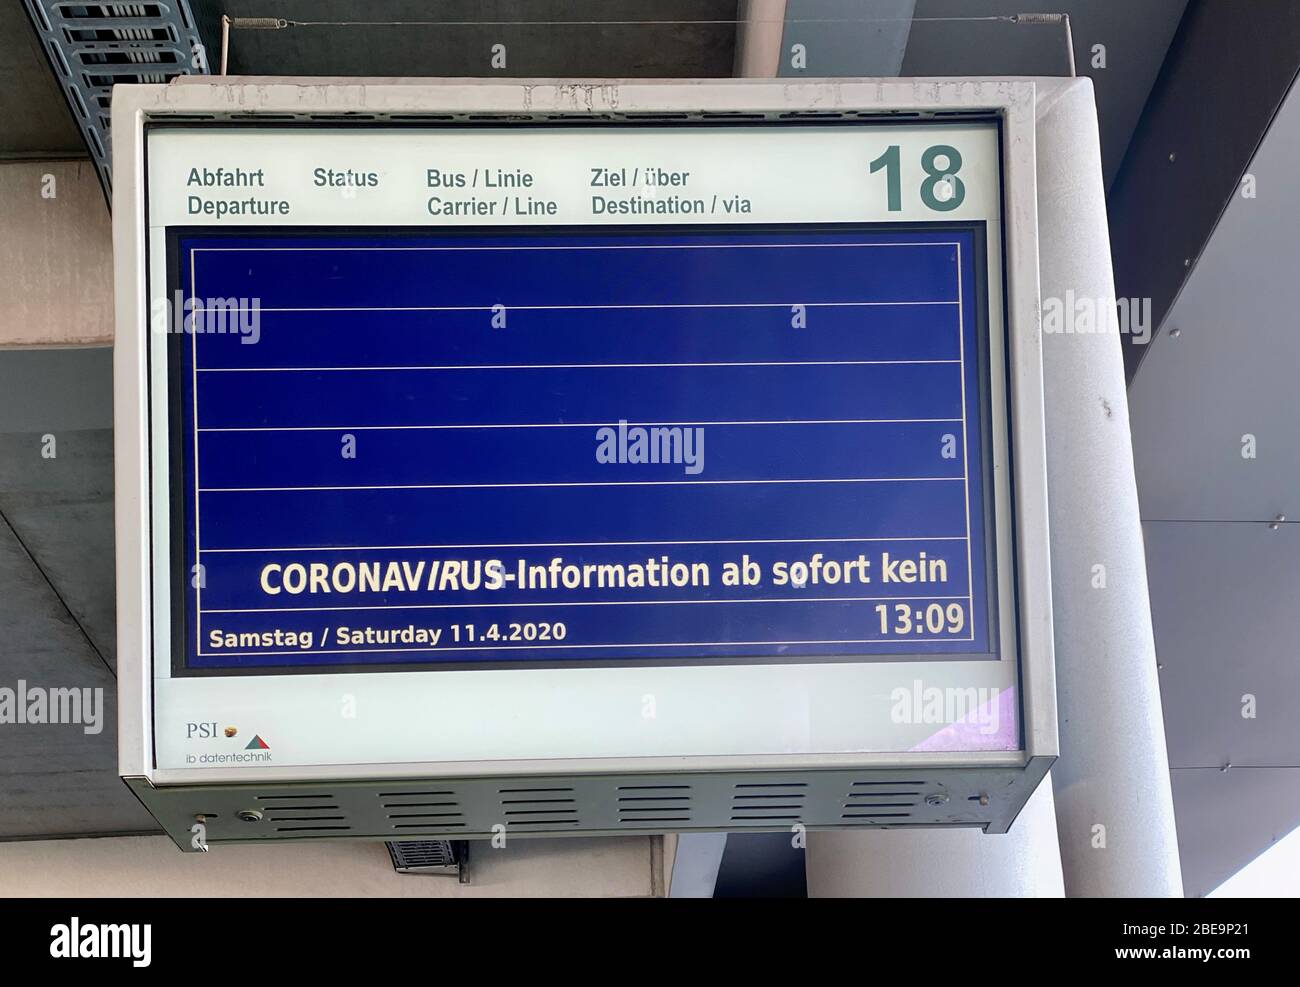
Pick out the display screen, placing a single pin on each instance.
(668, 444)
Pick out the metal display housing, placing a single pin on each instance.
(983, 790)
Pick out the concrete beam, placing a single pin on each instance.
(696, 860)
(760, 26)
(1114, 807)
(152, 867)
(56, 256)
(845, 38)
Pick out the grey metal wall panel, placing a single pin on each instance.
(1230, 372)
(1224, 601)
(1227, 71)
(1227, 818)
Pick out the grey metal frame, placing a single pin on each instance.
(984, 790)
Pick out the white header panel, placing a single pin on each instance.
(615, 175)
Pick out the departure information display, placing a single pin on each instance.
(488, 442)
(674, 443)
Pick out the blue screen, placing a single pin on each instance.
(571, 447)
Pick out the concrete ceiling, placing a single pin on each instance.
(1135, 36)
(698, 39)
(36, 122)
(56, 592)
(1224, 582)
(947, 37)
(542, 38)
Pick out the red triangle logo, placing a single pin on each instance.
(257, 744)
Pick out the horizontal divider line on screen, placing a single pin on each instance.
(596, 544)
(606, 246)
(594, 483)
(579, 366)
(582, 603)
(550, 647)
(359, 428)
(567, 308)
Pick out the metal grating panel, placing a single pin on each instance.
(449, 858)
(471, 808)
(92, 47)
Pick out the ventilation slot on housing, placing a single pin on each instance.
(538, 808)
(644, 805)
(430, 811)
(297, 813)
(883, 802)
(768, 803)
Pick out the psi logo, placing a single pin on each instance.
(207, 731)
